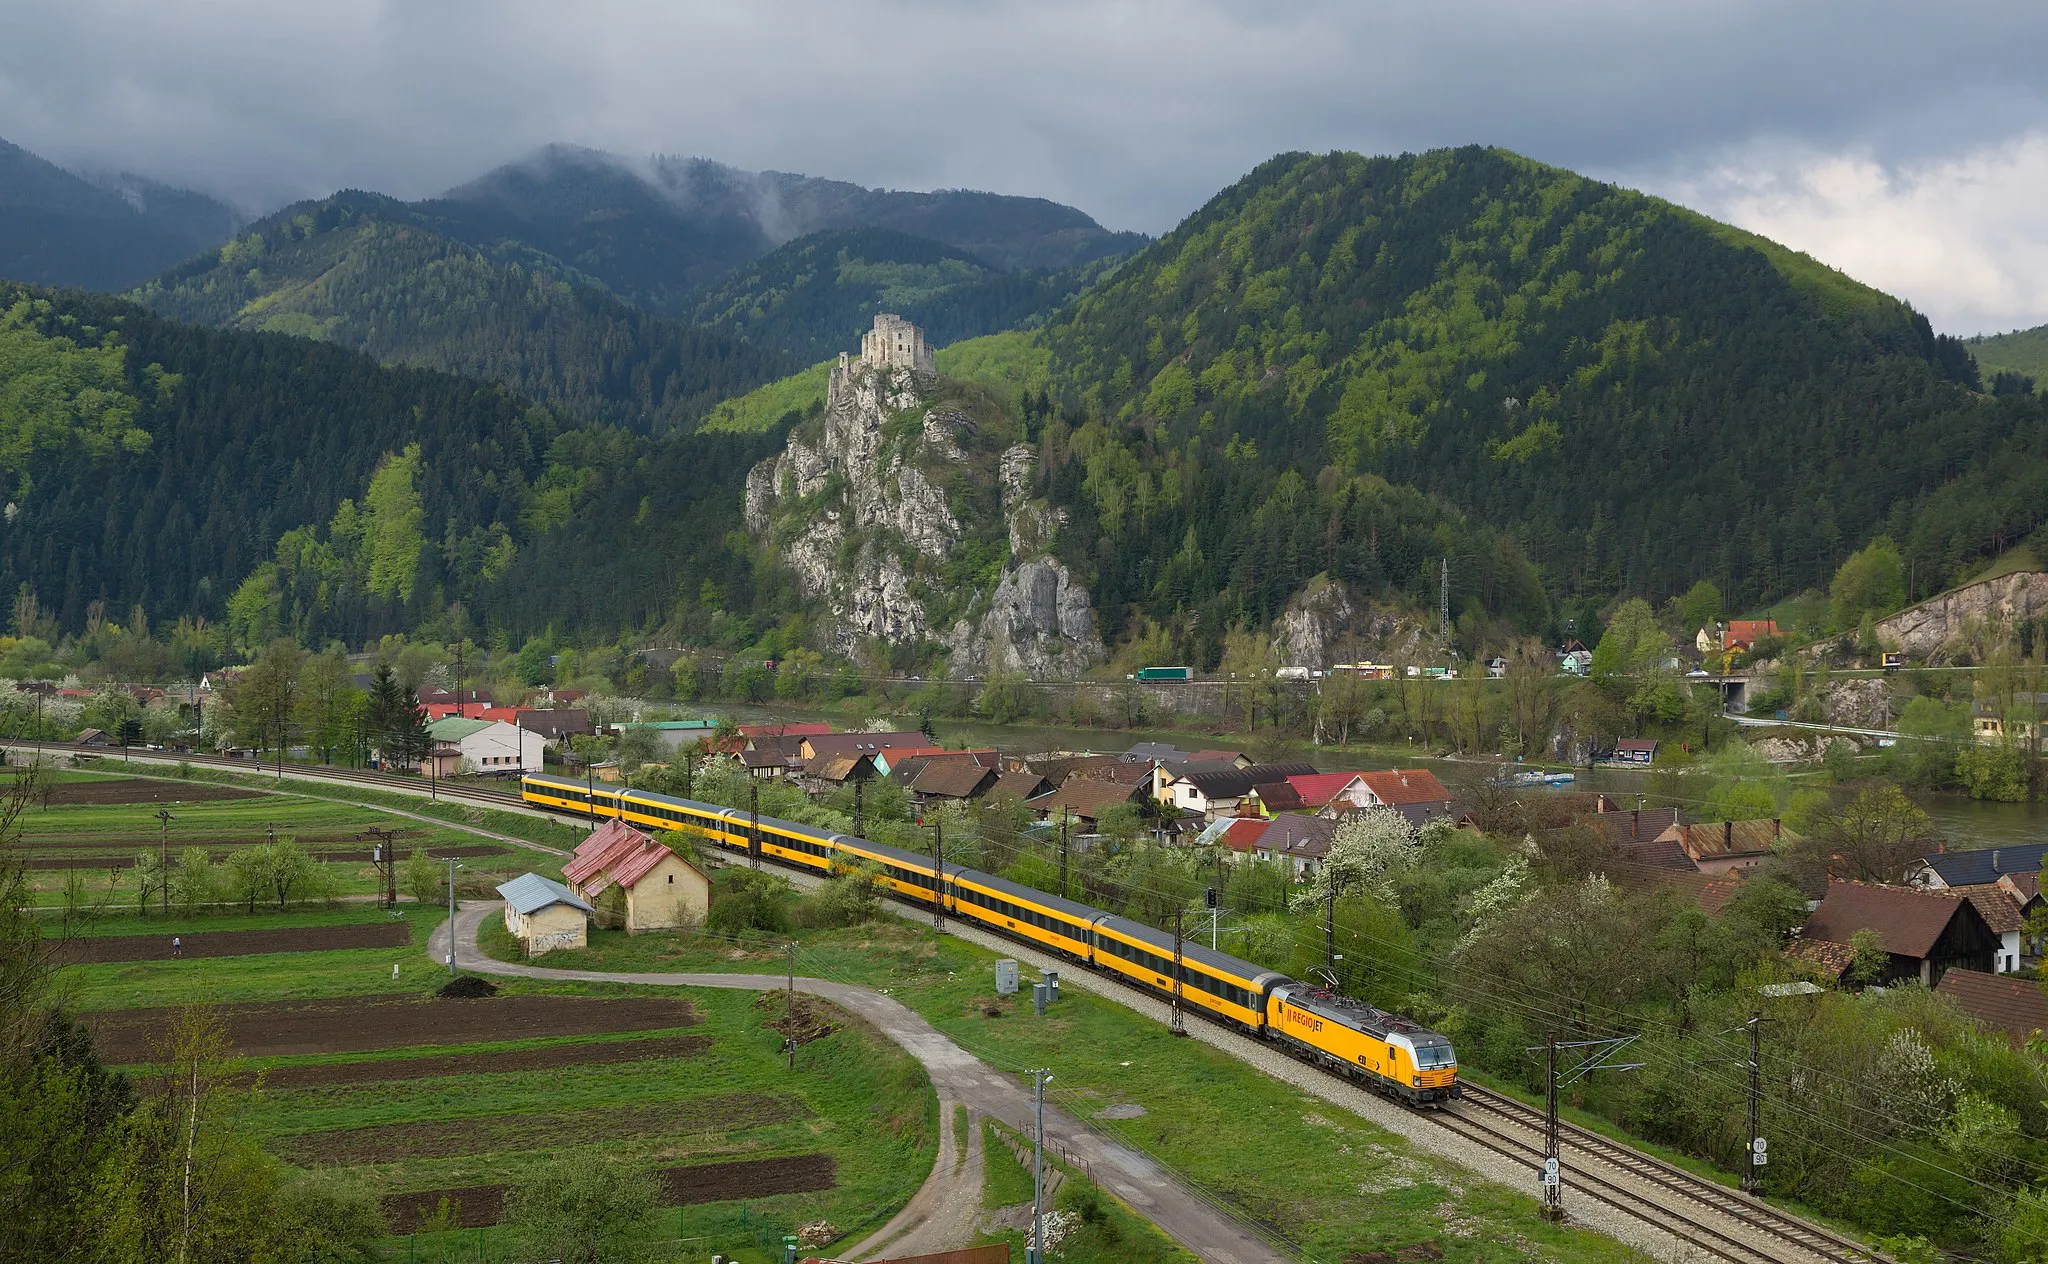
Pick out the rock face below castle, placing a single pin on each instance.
(873, 506)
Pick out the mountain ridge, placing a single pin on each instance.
(64, 229)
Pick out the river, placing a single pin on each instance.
(1964, 822)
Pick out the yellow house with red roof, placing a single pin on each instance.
(636, 882)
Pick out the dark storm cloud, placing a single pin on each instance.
(1134, 112)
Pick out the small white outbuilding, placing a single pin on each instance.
(544, 915)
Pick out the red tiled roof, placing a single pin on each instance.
(1731, 838)
(595, 854)
(1750, 631)
(953, 779)
(1908, 919)
(2026, 887)
(1318, 789)
(1228, 756)
(1405, 785)
(1243, 835)
(1827, 958)
(1086, 798)
(1019, 786)
(2013, 1005)
(630, 868)
(2001, 911)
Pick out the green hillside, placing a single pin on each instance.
(813, 296)
(274, 484)
(1012, 364)
(2023, 351)
(1635, 397)
(376, 275)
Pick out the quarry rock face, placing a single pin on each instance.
(1325, 624)
(1934, 627)
(868, 505)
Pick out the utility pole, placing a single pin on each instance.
(163, 866)
(460, 714)
(1063, 852)
(1179, 1028)
(1035, 1253)
(386, 857)
(1553, 1177)
(1752, 1180)
(859, 821)
(754, 831)
(1330, 929)
(789, 1007)
(1443, 601)
(689, 775)
(452, 867)
(939, 872)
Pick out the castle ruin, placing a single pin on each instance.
(894, 343)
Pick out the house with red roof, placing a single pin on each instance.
(1413, 792)
(637, 883)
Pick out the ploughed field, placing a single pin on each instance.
(82, 835)
(443, 1103)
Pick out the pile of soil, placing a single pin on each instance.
(366, 1024)
(479, 1206)
(491, 1134)
(491, 1062)
(230, 943)
(1415, 1253)
(802, 1019)
(467, 987)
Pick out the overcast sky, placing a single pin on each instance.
(1906, 143)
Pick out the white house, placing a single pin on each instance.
(490, 746)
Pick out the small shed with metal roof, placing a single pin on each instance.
(544, 915)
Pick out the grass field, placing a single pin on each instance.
(485, 1119)
(1101, 1229)
(85, 846)
(1332, 1183)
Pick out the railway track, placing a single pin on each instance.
(302, 772)
(1604, 1169)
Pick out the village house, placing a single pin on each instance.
(827, 773)
(1975, 867)
(1635, 750)
(2014, 1008)
(816, 746)
(1925, 933)
(1021, 786)
(543, 915)
(1723, 847)
(1237, 758)
(553, 725)
(2004, 913)
(673, 735)
(1413, 792)
(634, 882)
(1215, 788)
(1300, 842)
(952, 779)
(489, 747)
(1086, 800)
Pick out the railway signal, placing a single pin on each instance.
(1752, 1179)
(1179, 1027)
(938, 871)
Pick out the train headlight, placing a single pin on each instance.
(1416, 1080)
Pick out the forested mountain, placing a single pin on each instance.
(1633, 396)
(378, 275)
(2021, 354)
(814, 296)
(279, 484)
(57, 228)
(660, 233)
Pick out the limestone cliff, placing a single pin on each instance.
(905, 512)
(1325, 624)
(1932, 628)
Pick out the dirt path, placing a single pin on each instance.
(942, 1212)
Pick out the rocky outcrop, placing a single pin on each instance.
(1934, 628)
(1856, 704)
(1038, 622)
(1324, 624)
(864, 508)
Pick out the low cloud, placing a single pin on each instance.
(1962, 238)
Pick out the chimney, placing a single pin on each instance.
(1635, 823)
(1777, 829)
(1994, 860)
(1727, 836)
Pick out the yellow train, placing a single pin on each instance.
(1376, 1048)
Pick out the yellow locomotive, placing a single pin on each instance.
(1379, 1049)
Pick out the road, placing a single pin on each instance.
(942, 1213)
